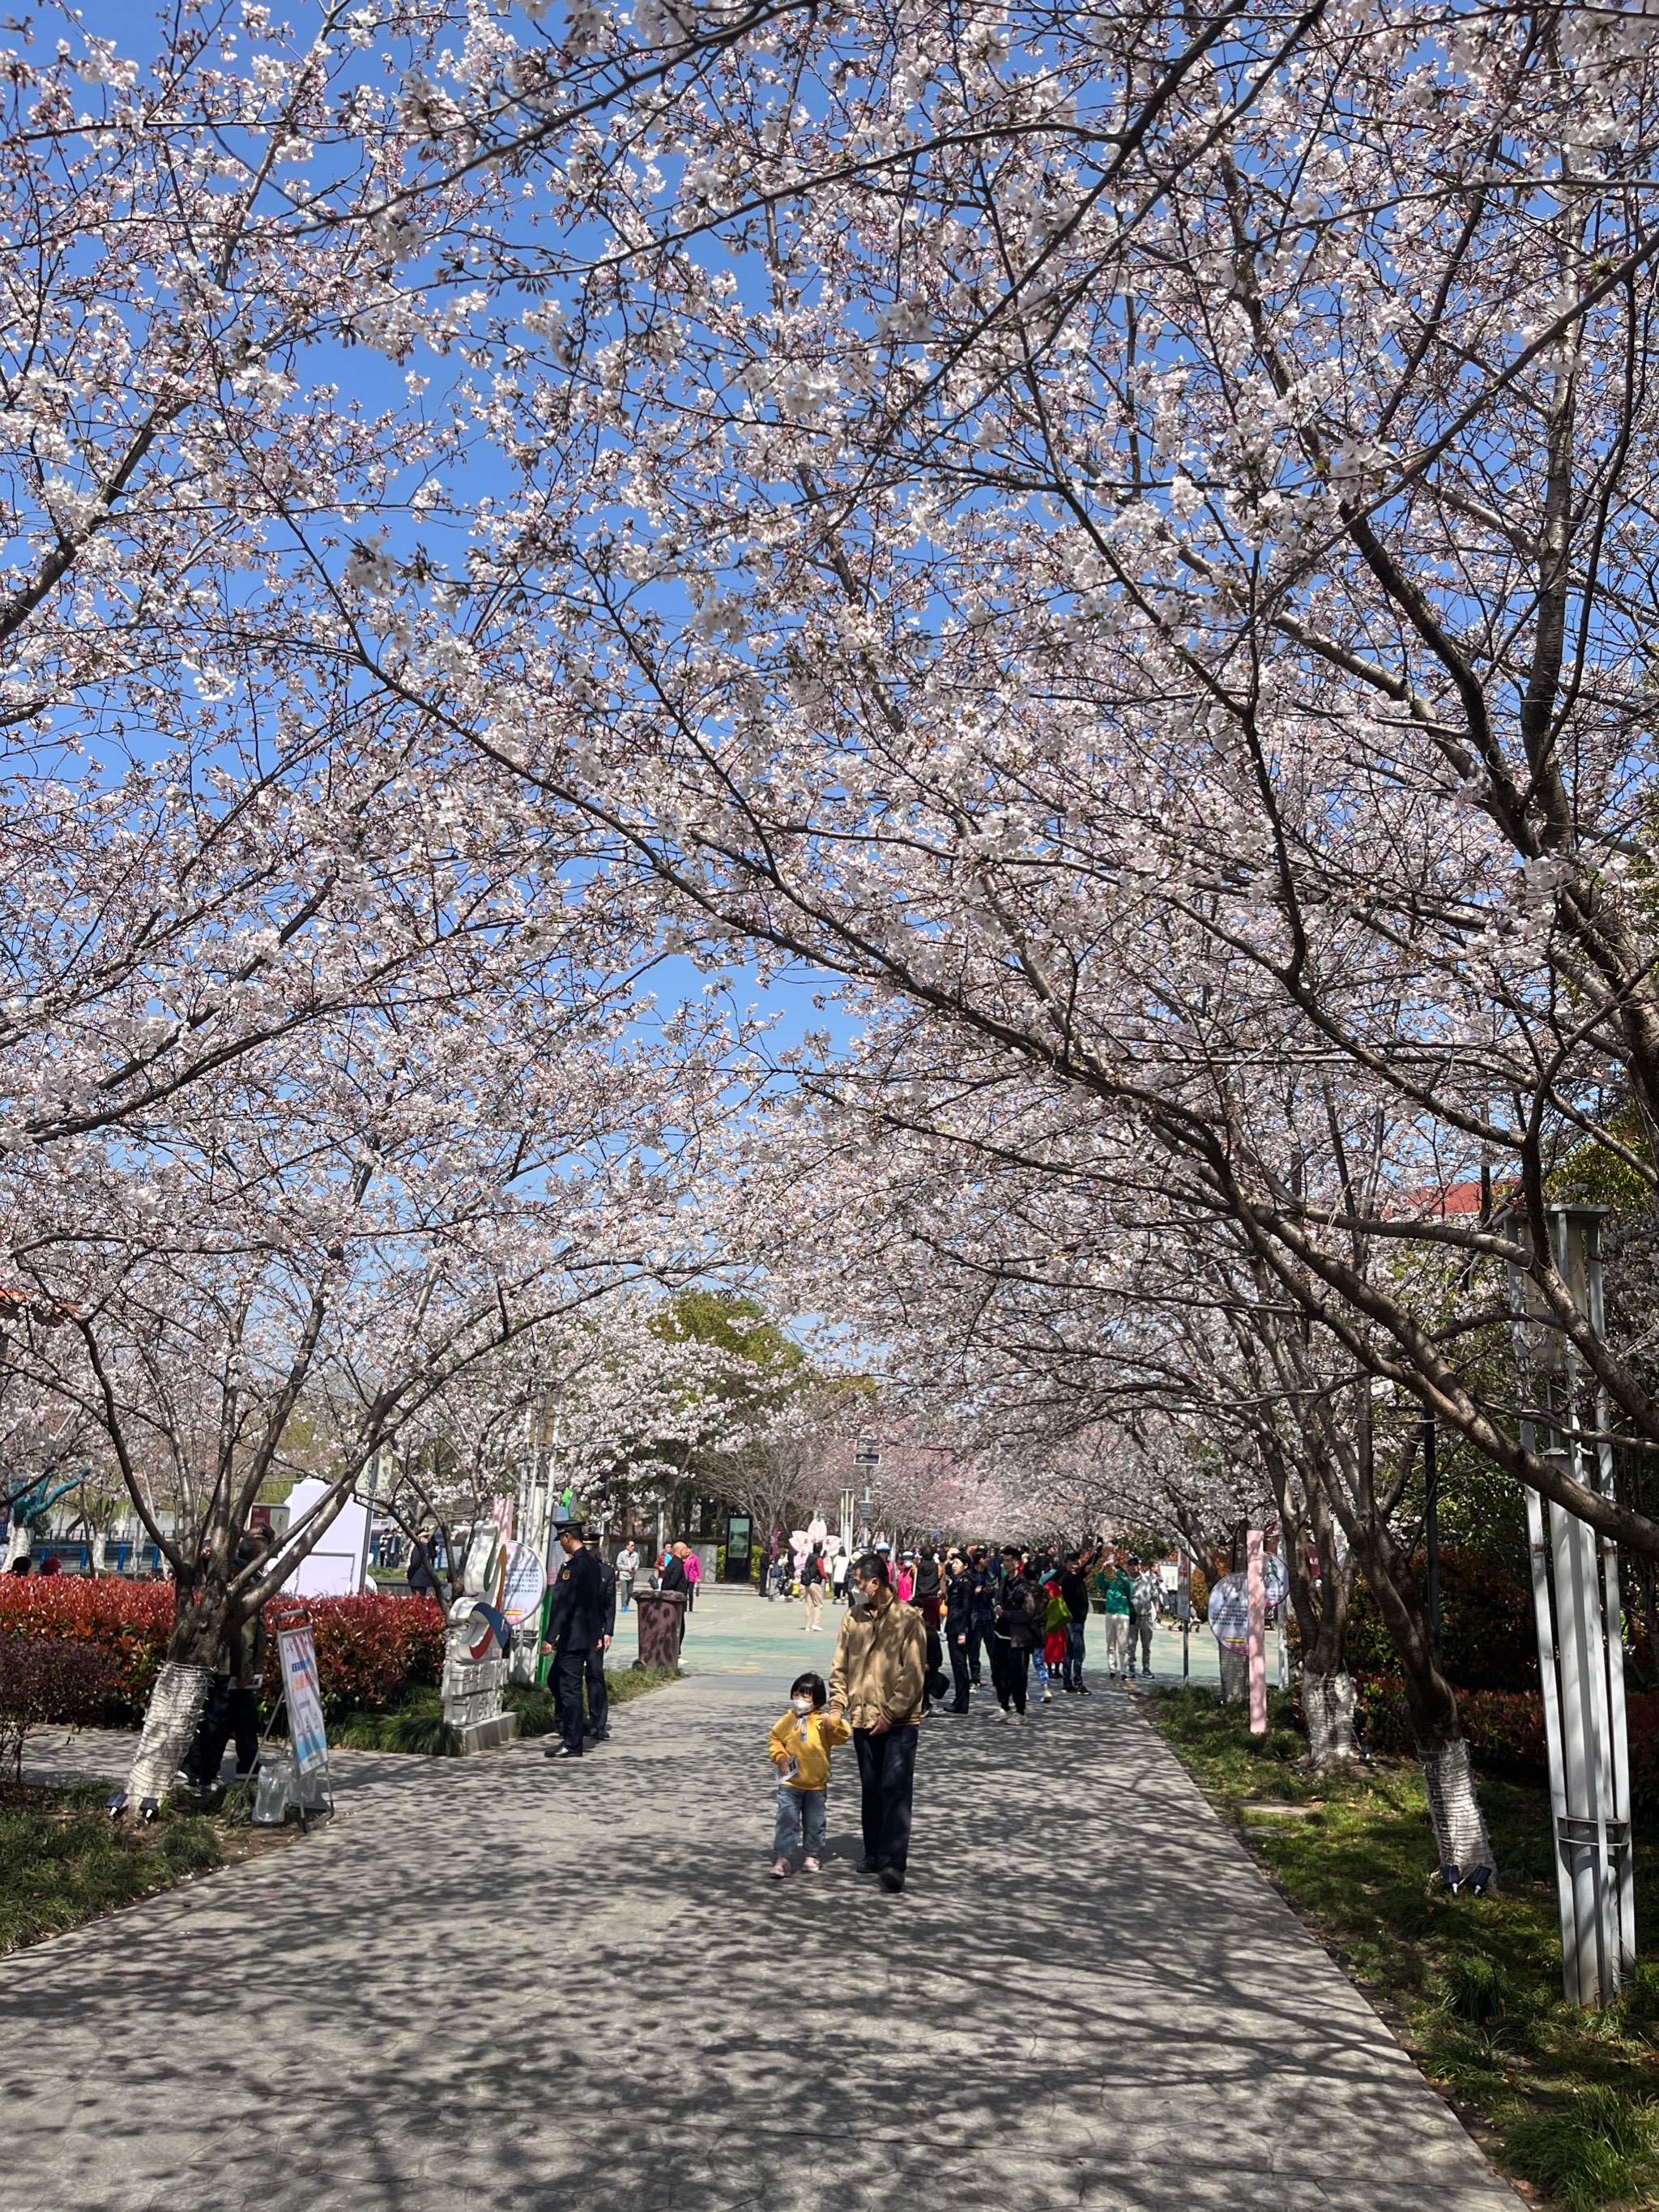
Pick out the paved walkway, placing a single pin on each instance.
(506, 1982)
(733, 1631)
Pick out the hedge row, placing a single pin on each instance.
(1506, 1731)
(371, 1650)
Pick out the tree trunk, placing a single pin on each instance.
(171, 1720)
(1320, 1607)
(1327, 1706)
(176, 1702)
(1460, 1830)
(1460, 1827)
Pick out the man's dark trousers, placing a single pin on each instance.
(1072, 1674)
(1010, 1672)
(982, 1633)
(887, 1775)
(959, 1673)
(598, 1697)
(230, 1711)
(568, 1669)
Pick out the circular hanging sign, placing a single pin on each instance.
(1229, 1600)
(1230, 1612)
(525, 1585)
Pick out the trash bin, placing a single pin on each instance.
(662, 1626)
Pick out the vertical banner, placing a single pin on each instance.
(1256, 1633)
(297, 1656)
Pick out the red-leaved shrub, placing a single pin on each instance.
(43, 1680)
(1506, 1729)
(128, 1622)
(370, 1650)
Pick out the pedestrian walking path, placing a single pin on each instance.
(512, 1982)
(733, 1630)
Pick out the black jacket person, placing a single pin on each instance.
(598, 1701)
(576, 1624)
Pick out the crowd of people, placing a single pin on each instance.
(1002, 1617)
(924, 1631)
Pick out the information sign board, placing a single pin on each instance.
(1230, 1601)
(297, 1656)
(521, 1593)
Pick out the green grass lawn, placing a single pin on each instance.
(62, 1860)
(1565, 2100)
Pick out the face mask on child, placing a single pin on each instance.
(802, 1705)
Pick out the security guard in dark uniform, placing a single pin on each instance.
(598, 1697)
(576, 1624)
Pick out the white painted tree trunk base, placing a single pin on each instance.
(170, 1724)
(1235, 1677)
(1460, 1827)
(1327, 1706)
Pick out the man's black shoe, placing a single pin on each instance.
(892, 1879)
(956, 1708)
(867, 1866)
(1084, 1690)
(561, 1751)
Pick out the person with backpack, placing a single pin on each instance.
(1016, 1634)
(1056, 1622)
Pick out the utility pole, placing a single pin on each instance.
(1576, 1604)
(866, 1455)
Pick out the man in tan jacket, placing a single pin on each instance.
(876, 1683)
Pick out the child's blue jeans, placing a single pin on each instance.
(801, 1816)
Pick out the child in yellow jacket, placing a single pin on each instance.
(800, 1747)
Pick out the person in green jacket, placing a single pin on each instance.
(1118, 1592)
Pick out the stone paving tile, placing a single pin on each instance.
(536, 1986)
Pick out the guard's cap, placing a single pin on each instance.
(570, 1529)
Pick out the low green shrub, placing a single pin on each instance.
(1639, 2001)
(537, 1714)
(1587, 2150)
(419, 1727)
(1477, 1987)
(429, 1735)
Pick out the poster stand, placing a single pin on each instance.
(298, 1771)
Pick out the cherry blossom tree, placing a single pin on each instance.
(317, 1247)
(1028, 515)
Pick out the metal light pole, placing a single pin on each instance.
(1575, 1587)
(866, 1455)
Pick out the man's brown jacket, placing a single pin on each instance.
(881, 1659)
